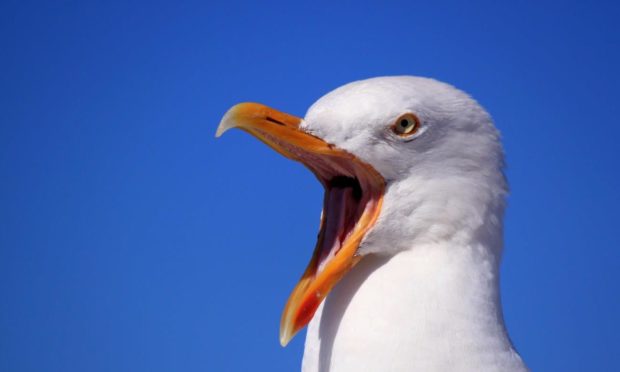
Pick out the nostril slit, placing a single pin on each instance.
(270, 119)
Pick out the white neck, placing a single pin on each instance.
(432, 308)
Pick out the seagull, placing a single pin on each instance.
(405, 271)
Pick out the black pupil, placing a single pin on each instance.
(404, 123)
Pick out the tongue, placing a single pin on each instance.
(334, 223)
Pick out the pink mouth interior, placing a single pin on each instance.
(341, 211)
(346, 198)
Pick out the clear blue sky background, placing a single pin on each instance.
(132, 240)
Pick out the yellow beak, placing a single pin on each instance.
(282, 132)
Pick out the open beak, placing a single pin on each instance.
(353, 196)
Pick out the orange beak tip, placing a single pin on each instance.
(285, 336)
(227, 122)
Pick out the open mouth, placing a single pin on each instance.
(342, 208)
(350, 191)
(351, 205)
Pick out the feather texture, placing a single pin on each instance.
(426, 296)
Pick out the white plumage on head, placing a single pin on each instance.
(442, 182)
(405, 274)
(429, 299)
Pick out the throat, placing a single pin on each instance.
(342, 208)
(432, 307)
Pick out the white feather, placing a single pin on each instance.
(426, 296)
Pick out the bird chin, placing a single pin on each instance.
(353, 196)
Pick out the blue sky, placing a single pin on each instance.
(132, 240)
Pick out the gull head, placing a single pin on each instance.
(405, 161)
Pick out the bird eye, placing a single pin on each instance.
(406, 125)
